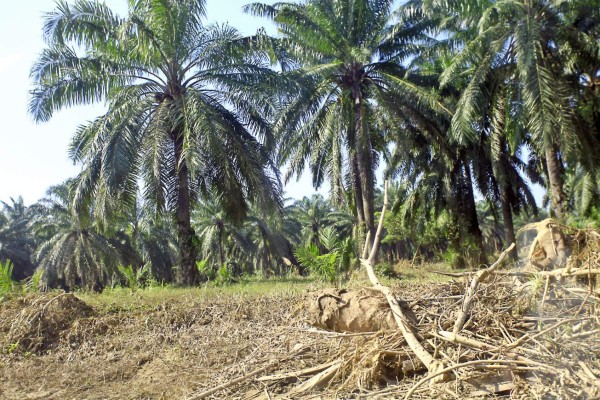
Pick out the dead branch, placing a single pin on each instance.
(565, 272)
(400, 317)
(476, 344)
(316, 381)
(483, 363)
(470, 293)
(554, 273)
(296, 374)
(246, 377)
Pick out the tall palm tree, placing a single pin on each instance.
(271, 237)
(71, 251)
(213, 229)
(186, 112)
(313, 215)
(346, 59)
(584, 190)
(535, 43)
(151, 238)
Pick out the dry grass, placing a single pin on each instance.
(165, 343)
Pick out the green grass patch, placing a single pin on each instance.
(423, 273)
(125, 299)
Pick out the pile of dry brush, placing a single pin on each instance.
(530, 333)
(527, 333)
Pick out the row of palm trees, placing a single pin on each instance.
(82, 253)
(455, 97)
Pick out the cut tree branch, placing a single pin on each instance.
(470, 293)
(433, 365)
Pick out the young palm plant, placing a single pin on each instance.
(71, 252)
(185, 109)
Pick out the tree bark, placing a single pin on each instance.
(188, 274)
(358, 195)
(221, 255)
(365, 165)
(557, 193)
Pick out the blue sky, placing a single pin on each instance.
(34, 156)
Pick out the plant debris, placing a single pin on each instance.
(526, 335)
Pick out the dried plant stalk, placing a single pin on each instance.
(433, 365)
(470, 293)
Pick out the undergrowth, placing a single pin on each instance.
(250, 286)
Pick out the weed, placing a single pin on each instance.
(7, 284)
(134, 279)
(32, 284)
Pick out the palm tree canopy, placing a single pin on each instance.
(16, 244)
(165, 78)
(187, 110)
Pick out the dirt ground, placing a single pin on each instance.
(57, 346)
(164, 352)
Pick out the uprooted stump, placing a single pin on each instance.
(562, 252)
(550, 247)
(350, 310)
(39, 320)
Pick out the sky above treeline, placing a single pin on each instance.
(34, 156)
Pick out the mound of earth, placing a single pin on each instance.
(35, 323)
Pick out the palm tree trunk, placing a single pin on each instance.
(221, 256)
(188, 274)
(365, 165)
(557, 193)
(471, 214)
(360, 233)
(509, 228)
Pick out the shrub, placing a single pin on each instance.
(322, 266)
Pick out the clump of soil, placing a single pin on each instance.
(37, 322)
(357, 310)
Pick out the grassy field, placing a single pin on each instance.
(253, 287)
(155, 295)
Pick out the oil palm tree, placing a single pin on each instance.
(314, 214)
(271, 238)
(537, 44)
(186, 113)
(584, 191)
(71, 251)
(16, 243)
(213, 230)
(150, 238)
(346, 59)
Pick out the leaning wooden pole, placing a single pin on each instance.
(433, 365)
